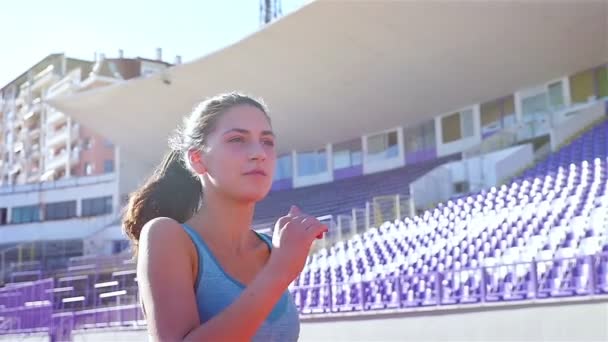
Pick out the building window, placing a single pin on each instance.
(312, 162)
(87, 143)
(88, 169)
(421, 137)
(450, 128)
(108, 166)
(534, 107)
(347, 154)
(382, 146)
(97, 206)
(3, 216)
(283, 168)
(119, 246)
(60, 210)
(556, 95)
(25, 214)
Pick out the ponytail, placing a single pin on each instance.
(172, 191)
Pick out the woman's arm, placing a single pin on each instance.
(164, 274)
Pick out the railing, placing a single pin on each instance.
(58, 184)
(530, 280)
(534, 280)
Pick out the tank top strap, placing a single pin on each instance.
(202, 252)
(267, 239)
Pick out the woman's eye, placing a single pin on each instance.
(236, 139)
(269, 142)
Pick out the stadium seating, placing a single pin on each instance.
(341, 196)
(542, 236)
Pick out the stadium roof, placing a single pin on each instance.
(335, 69)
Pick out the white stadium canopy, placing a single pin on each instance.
(336, 69)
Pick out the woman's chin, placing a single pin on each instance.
(252, 196)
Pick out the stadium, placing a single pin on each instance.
(457, 151)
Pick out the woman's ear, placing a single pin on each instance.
(195, 157)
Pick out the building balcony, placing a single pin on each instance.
(18, 147)
(55, 117)
(44, 78)
(33, 133)
(61, 136)
(61, 160)
(65, 85)
(34, 152)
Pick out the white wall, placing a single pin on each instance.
(110, 334)
(485, 171)
(75, 189)
(482, 171)
(567, 320)
(582, 321)
(432, 188)
(575, 120)
(102, 241)
(131, 172)
(520, 157)
(30, 337)
(76, 228)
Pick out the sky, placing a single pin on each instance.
(33, 29)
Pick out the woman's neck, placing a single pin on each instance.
(225, 222)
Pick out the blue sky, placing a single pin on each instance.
(191, 28)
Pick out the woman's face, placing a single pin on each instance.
(239, 157)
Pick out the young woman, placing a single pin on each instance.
(203, 273)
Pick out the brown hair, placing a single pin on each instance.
(173, 190)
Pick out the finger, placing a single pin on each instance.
(294, 211)
(309, 221)
(317, 231)
(282, 221)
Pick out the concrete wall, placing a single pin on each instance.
(33, 337)
(520, 158)
(74, 189)
(583, 321)
(132, 173)
(110, 334)
(482, 171)
(566, 320)
(76, 228)
(574, 121)
(433, 187)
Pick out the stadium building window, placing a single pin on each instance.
(26, 214)
(347, 154)
(497, 114)
(312, 162)
(60, 210)
(283, 167)
(88, 169)
(457, 126)
(450, 128)
(382, 146)
(3, 216)
(588, 84)
(421, 137)
(97, 206)
(556, 95)
(108, 166)
(534, 106)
